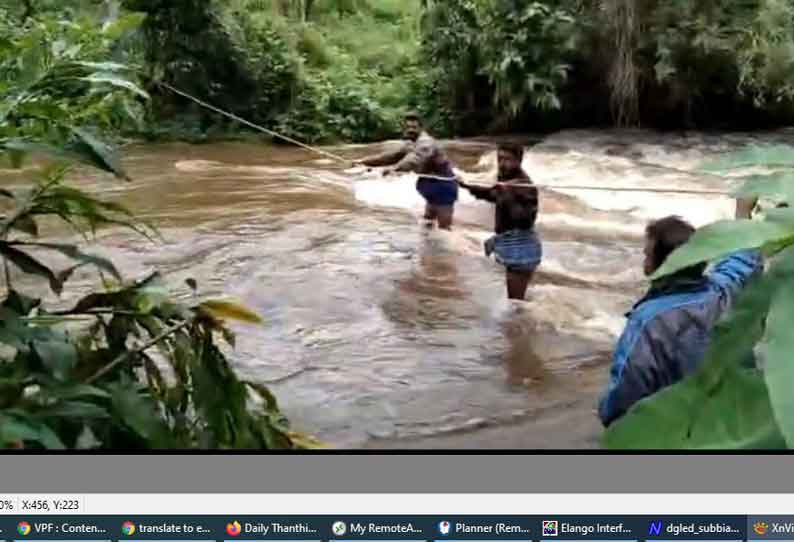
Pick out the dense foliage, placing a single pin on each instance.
(127, 366)
(326, 70)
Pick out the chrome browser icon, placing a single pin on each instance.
(23, 528)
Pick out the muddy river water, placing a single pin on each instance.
(380, 334)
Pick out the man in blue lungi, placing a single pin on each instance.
(421, 154)
(516, 244)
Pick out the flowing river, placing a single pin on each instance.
(381, 334)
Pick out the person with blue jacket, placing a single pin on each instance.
(669, 329)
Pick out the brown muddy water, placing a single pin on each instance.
(381, 334)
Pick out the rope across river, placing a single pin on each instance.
(348, 162)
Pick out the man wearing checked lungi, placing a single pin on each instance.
(515, 244)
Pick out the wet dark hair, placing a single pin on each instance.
(667, 234)
(513, 148)
(412, 115)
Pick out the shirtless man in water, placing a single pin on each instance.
(421, 154)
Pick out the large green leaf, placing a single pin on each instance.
(779, 368)
(30, 265)
(720, 239)
(735, 415)
(734, 338)
(97, 153)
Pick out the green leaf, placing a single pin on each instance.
(150, 297)
(23, 146)
(103, 66)
(139, 413)
(22, 428)
(20, 303)
(735, 336)
(60, 357)
(736, 415)
(97, 153)
(115, 81)
(85, 148)
(30, 265)
(779, 368)
(72, 391)
(13, 331)
(75, 253)
(32, 63)
(124, 24)
(76, 410)
(720, 239)
(73, 205)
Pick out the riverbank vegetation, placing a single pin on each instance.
(128, 366)
(329, 70)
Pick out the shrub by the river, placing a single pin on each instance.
(126, 366)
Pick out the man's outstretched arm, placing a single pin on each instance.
(386, 158)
